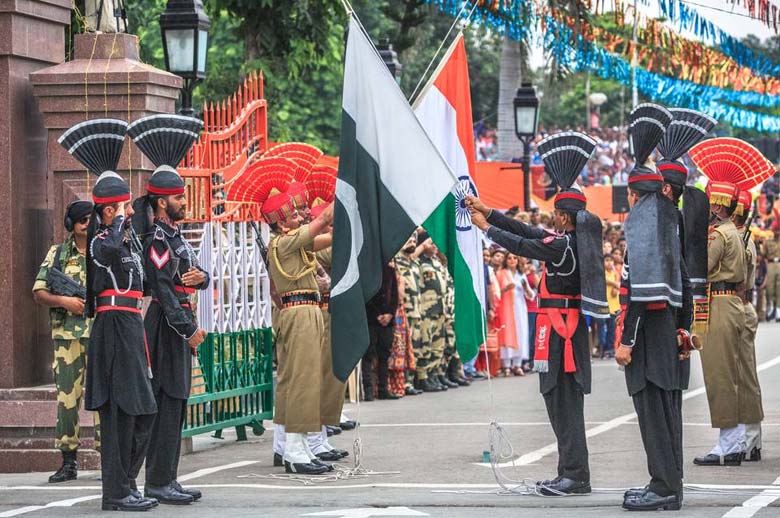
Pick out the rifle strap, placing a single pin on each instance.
(57, 263)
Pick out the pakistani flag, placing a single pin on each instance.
(391, 180)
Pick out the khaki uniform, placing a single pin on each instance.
(772, 254)
(752, 409)
(409, 270)
(299, 332)
(70, 334)
(720, 355)
(433, 290)
(332, 397)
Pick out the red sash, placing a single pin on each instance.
(563, 320)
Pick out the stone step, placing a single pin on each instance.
(43, 443)
(49, 460)
(40, 393)
(33, 414)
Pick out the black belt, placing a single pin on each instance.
(120, 301)
(559, 304)
(300, 299)
(724, 286)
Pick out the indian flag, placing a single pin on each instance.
(391, 179)
(444, 109)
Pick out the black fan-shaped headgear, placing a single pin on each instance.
(687, 129)
(564, 155)
(647, 125)
(96, 143)
(165, 140)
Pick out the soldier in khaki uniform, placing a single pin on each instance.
(750, 403)
(720, 356)
(70, 333)
(772, 254)
(299, 327)
(407, 265)
(432, 294)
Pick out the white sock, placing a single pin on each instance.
(730, 440)
(295, 449)
(316, 444)
(752, 437)
(279, 439)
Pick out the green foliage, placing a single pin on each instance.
(564, 103)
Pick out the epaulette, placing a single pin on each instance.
(159, 233)
(717, 230)
(293, 232)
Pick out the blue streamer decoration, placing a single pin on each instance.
(573, 52)
(691, 20)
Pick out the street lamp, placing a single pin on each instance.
(185, 37)
(390, 57)
(526, 105)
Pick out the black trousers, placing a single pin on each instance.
(661, 428)
(125, 439)
(565, 407)
(380, 345)
(162, 461)
(677, 396)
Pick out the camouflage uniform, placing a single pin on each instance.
(409, 270)
(433, 290)
(450, 356)
(70, 334)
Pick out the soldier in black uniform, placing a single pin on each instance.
(654, 286)
(573, 285)
(118, 372)
(173, 276)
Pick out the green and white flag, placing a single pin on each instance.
(391, 180)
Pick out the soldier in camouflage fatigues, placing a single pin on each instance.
(433, 291)
(70, 334)
(408, 267)
(451, 366)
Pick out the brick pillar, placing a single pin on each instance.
(32, 37)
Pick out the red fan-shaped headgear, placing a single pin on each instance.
(733, 161)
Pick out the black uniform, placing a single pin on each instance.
(656, 378)
(169, 323)
(563, 392)
(118, 384)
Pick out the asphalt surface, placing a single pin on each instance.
(422, 456)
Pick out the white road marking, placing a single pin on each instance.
(72, 501)
(366, 512)
(536, 455)
(752, 505)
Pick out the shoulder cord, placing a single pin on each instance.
(566, 252)
(110, 272)
(309, 260)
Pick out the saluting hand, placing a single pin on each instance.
(193, 277)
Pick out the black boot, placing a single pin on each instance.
(447, 383)
(427, 385)
(368, 380)
(68, 470)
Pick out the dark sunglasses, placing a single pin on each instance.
(84, 220)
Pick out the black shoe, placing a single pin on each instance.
(278, 461)
(318, 462)
(329, 431)
(128, 503)
(755, 455)
(461, 382)
(388, 395)
(68, 470)
(340, 453)
(137, 494)
(649, 501)
(732, 459)
(411, 391)
(348, 425)
(335, 429)
(477, 376)
(330, 456)
(427, 385)
(368, 395)
(447, 383)
(194, 493)
(304, 468)
(563, 486)
(635, 491)
(168, 495)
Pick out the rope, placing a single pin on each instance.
(105, 76)
(455, 21)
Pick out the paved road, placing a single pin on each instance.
(423, 456)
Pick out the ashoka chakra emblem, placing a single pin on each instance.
(463, 189)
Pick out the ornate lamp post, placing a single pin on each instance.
(185, 35)
(390, 57)
(526, 105)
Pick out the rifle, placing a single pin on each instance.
(748, 232)
(260, 243)
(60, 284)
